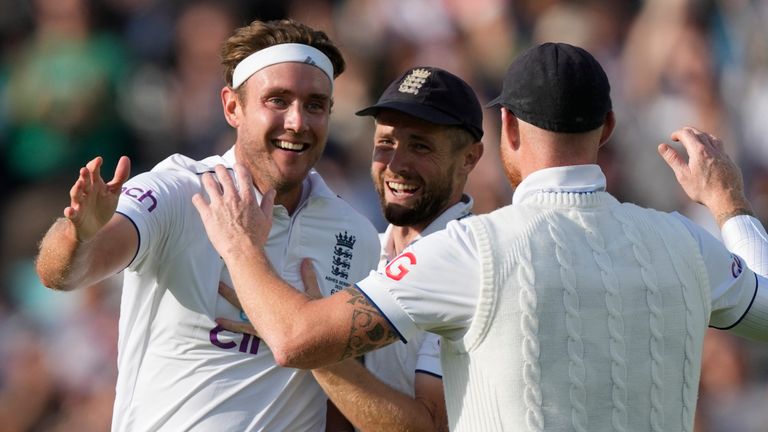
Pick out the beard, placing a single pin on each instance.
(510, 170)
(432, 202)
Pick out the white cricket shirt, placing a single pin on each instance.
(178, 370)
(397, 363)
(443, 270)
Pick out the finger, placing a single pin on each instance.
(200, 204)
(693, 130)
(78, 189)
(692, 142)
(225, 180)
(211, 186)
(704, 138)
(122, 172)
(237, 326)
(70, 213)
(86, 181)
(267, 202)
(244, 180)
(94, 167)
(677, 135)
(673, 159)
(309, 277)
(716, 142)
(230, 294)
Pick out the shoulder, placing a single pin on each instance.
(178, 170)
(180, 164)
(173, 180)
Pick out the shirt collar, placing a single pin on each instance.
(457, 211)
(573, 179)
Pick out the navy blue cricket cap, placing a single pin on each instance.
(557, 87)
(434, 95)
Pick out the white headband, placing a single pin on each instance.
(282, 53)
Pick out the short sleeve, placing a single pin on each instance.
(154, 203)
(433, 285)
(732, 283)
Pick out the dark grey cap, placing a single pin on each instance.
(434, 95)
(557, 87)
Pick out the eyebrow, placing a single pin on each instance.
(284, 90)
(410, 137)
(419, 137)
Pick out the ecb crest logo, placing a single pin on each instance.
(413, 82)
(341, 261)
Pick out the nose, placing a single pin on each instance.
(295, 118)
(398, 160)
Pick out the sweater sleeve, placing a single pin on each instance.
(739, 295)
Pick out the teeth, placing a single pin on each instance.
(401, 187)
(285, 145)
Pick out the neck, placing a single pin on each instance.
(290, 200)
(402, 236)
(287, 196)
(543, 149)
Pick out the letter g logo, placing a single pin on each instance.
(398, 268)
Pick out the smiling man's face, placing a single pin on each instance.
(284, 124)
(414, 169)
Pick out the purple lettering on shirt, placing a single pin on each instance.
(244, 342)
(141, 196)
(214, 336)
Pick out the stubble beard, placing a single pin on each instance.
(510, 170)
(427, 208)
(265, 171)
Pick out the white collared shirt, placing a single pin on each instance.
(179, 370)
(397, 364)
(444, 270)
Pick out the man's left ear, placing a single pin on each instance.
(608, 127)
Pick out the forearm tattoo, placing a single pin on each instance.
(366, 333)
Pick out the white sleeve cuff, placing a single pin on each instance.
(746, 237)
(400, 321)
(428, 360)
(754, 323)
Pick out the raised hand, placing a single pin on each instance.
(92, 201)
(233, 218)
(709, 177)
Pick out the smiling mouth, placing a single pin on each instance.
(399, 189)
(289, 146)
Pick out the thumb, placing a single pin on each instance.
(122, 172)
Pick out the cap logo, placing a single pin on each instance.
(413, 82)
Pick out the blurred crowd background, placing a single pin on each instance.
(80, 78)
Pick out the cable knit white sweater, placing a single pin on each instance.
(592, 315)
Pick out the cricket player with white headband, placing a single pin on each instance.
(179, 370)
